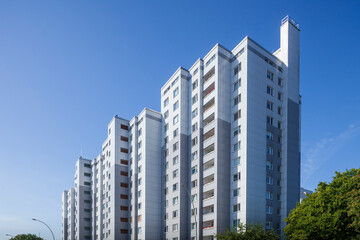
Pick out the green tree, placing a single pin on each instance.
(331, 212)
(26, 237)
(248, 232)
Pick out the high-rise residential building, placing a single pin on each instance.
(303, 193)
(225, 149)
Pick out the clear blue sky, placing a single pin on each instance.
(67, 67)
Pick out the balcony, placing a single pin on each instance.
(209, 75)
(209, 105)
(209, 119)
(208, 224)
(209, 90)
(209, 149)
(208, 209)
(209, 134)
(208, 195)
(209, 164)
(209, 179)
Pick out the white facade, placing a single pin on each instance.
(225, 149)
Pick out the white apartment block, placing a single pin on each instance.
(225, 149)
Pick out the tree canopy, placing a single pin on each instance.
(248, 232)
(331, 212)
(26, 237)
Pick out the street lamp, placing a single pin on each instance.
(45, 225)
(188, 192)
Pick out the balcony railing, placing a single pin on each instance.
(208, 164)
(209, 134)
(209, 149)
(209, 104)
(209, 119)
(208, 90)
(208, 179)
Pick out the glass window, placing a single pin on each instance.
(166, 102)
(176, 91)
(176, 105)
(176, 119)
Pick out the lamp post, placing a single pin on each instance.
(45, 225)
(188, 192)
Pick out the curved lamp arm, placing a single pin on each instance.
(46, 226)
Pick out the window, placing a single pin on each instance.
(166, 114)
(210, 60)
(176, 119)
(236, 192)
(175, 187)
(269, 150)
(175, 173)
(236, 207)
(139, 169)
(270, 75)
(194, 184)
(237, 69)
(176, 91)
(194, 198)
(270, 90)
(269, 210)
(236, 223)
(194, 155)
(237, 99)
(175, 200)
(124, 127)
(87, 183)
(194, 99)
(237, 146)
(87, 165)
(194, 127)
(176, 132)
(167, 165)
(237, 115)
(194, 113)
(175, 214)
(176, 105)
(166, 177)
(175, 160)
(280, 82)
(237, 130)
(175, 227)
(140, 130)
(166, 140)
(166, 102)
(236, 176)
(166, 191)
(166, 152)
(193, 226)
(175, 81)
(268, 225)
(139, 230)
(139, 181)
(237, 84)
(269, 195)
(269, 105)
(194, 141)
(279, 125)
(279, 111)
(269, 165)
(175, 146)
(194, 170)
(236, 161)
(139, 144)
(166, 127)
(280, 96)
(139, 193)
(194, 84)
(193, 211)
(269, 135)
(269, 120)
(269, 180)
(87, 174)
